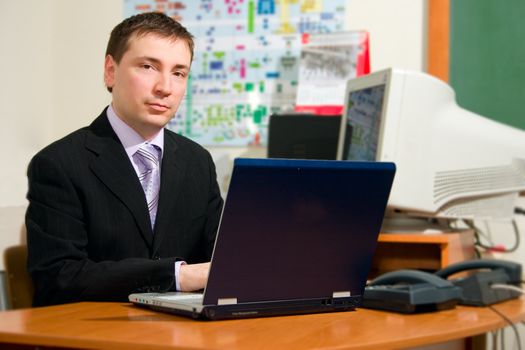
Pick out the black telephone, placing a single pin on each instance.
(410, 291)
(478, 288)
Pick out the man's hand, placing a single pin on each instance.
(193, 276)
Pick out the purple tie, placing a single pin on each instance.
(147, 160)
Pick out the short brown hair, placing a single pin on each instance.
(142, 24)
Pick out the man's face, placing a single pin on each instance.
(149, 82)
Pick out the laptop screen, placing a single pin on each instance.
(298, 229)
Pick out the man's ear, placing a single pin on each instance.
(109, 71)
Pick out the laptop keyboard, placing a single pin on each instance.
(186, 298)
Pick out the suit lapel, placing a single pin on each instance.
(172, 173)
(113, 168)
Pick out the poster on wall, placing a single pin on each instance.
(327, 62)
(246, 62)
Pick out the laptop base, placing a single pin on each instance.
(260, 309)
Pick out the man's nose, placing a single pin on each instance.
(163, 84)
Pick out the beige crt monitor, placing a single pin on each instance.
(451, 163)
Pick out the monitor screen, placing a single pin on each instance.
(364, 113)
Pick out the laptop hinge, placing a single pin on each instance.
(226, 301)
(345, 294)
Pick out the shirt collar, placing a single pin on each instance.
(129, 138)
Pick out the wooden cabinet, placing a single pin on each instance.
(429, 252)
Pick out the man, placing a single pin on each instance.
(124, 205)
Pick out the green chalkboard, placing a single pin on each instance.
(487, 58)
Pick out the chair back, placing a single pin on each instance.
(19, 284)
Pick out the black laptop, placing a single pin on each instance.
(295, 237)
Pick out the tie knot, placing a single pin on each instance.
(148, 156)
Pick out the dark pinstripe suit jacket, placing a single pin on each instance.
(89, 235)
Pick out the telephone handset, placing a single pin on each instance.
(410, 291)
(477, 287)
(408, 276)
(512, 269)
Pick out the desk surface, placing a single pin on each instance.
(123, 326)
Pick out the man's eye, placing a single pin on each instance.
(147, 66)
(179, 74)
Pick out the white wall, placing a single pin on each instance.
(25, 103)
(51, 69)
(81, 32)
(397, 31)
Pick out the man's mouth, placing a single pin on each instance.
(158, 107)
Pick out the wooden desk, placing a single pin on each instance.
(123, 326)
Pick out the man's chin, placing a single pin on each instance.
(159, 120)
